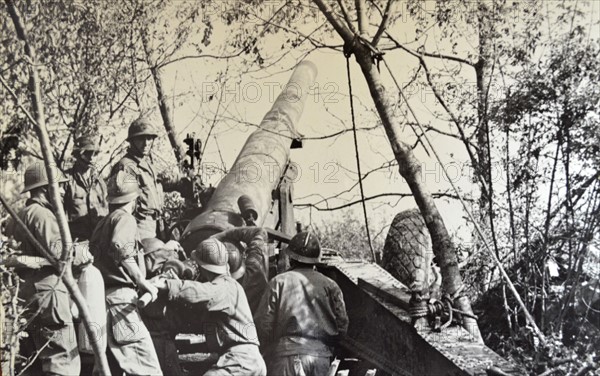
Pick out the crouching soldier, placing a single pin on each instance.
(229, 327)
(157, 316)
(115, 245)
(250, 266)
(301, 315)
(48, 301)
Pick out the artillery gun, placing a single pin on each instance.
(381, 337)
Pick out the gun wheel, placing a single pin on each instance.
(407, 253)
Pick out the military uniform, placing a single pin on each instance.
(149, 210)
(229, 326)
(85, 202)
(150, 201)
(159, 319)
(115, 240)
(52, 327)
(299, 319)
(254, 280)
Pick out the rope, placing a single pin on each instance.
(434, 309)
(360, 182)
(418, 308)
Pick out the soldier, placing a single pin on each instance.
(136, 162)
(157, 317)
(115, 245)
(48, 301)
(301, 315)
(251, 268)
(228, 326)
(85, 193)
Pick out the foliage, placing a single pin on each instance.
(12, 322)
(348, 236)
(84, 55)
(551, 198)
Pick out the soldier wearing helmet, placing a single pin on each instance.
(248, 265)
(85, 192)
(229, 326)
(137, 164)
(48, 302)
(115, 245)
(301, 315)
(158, 318)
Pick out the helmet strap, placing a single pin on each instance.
(39, 192)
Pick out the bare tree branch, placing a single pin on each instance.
(344, 31)
(427, 54)
(384, 21)
(17, 102)
(346, 16)
(401, 195)
(361, 15)
(324, 137)
(214, 120)
(442, 102)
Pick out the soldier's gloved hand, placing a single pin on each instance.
(150, 288)
(173, 245)
(160, 282)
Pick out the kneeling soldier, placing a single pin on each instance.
(229, 326)
(114, 244)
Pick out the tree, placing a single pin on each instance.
(549, 118)
(161, 39)
(85, 66)
(409, 167)
(63, 265)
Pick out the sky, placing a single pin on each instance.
(328, 167)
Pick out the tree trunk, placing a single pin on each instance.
(163, 103)
(483, 167)
(410, 170)
(3, 358)
(64, 264)
(165, 112)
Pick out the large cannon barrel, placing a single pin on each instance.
(259, 166)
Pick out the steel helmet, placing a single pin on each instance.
(212, 255)
(35, 176)
(122, 188)
(84, 143)
(237, 266)
(305, 247)
(141, 127)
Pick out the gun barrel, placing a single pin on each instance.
(260, 164)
